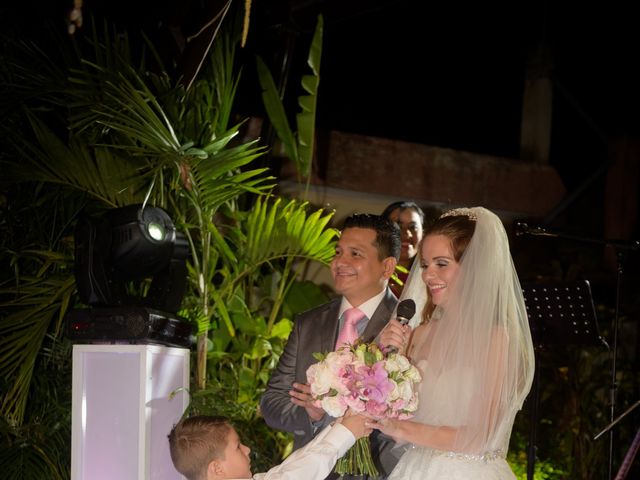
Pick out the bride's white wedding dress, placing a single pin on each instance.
(475, 355)
(424, 463)
(428, 464)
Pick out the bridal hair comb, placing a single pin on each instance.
(461, 212)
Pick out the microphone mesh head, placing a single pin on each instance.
(406, 308)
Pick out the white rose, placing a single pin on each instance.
(320, 377)
(412, 406)
(392, 365)
(403, 363)
(334, 406)
(397, 363)
(413, 374)
(405, 391)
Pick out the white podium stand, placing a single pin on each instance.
(121, 411)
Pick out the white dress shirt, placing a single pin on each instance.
(316, 459)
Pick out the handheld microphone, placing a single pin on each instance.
(406, 310)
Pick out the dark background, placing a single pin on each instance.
(447, 74)
(451, 74)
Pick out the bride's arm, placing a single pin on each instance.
(439, 437)
(403, 431)
(482, 414)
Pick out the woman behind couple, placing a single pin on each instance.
(473, 348)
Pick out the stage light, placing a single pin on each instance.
(130, 244)
(130, 269)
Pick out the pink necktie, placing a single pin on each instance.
(348, 332)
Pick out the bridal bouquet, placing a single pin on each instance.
(366, 380)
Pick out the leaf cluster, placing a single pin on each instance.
(95, 128)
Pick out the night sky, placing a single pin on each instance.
(448, 74)
(451, 74)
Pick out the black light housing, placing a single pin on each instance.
(131, 244)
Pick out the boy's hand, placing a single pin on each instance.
(356, 424)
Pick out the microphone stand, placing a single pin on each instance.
(633, 449)
(620, 246)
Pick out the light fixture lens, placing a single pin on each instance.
(156, 231)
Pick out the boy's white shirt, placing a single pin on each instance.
(316, 459)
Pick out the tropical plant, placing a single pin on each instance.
(298, 147)
(102, 129)
(36, 286)
(517, 458)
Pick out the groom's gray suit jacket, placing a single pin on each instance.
(314, 331)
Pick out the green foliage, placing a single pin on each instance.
(34, 299)
(575, 374)
(105, 131)
(93, 127)
(248, 328)
(40, 446)
(300, 150)
(517, 459)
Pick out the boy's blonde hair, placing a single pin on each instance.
(196, 441)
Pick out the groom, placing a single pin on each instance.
(366, 256)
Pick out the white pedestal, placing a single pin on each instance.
(121, 411)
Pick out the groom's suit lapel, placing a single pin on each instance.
(380, 317)
(327, 328)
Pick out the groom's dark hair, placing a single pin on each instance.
(388, 241)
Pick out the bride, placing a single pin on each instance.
(473, 347)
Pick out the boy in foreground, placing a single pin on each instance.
(208, 448)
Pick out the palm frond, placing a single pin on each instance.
(300, 151)
(109, 178)
(40, 80)
(39, 447)
(219, 178)
(38, 308)
(275, 232)
(223, 79)
(275, 110)
(133, 111)
(306, 119)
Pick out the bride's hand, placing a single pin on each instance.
(388, 426)
(395, 334)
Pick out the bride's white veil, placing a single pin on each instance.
(477, 359)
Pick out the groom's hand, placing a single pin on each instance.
(301, 396)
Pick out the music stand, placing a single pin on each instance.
(560, 313)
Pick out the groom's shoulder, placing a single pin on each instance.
(320, 310)
(389, 301)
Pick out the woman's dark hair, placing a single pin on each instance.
(403, 205)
